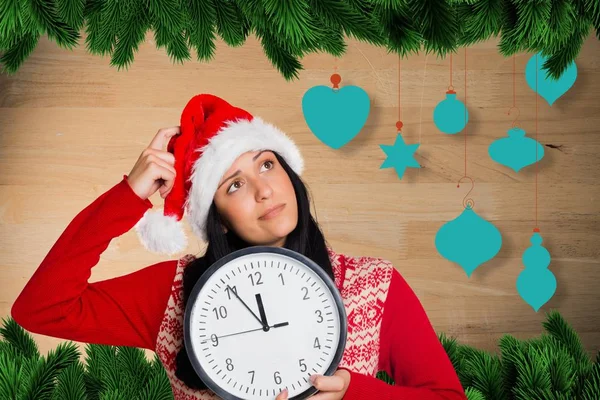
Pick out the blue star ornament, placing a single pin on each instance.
(400, 156)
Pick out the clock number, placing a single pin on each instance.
(252, 380)
(229, 291)
(221, 312)
(214, 339)
(277, 377)
(318, 312)
(229, 364)
(258, 280)
(303, 366)
(317, 344)
(305, 294)
(281, 276)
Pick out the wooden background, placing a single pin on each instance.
(71, 125)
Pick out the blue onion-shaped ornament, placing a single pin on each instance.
(517, 150)
(536, 283)
(468, 240)
(450, 115)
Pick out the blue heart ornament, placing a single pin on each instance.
(335, 116)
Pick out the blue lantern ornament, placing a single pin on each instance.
(468, 240)
(536, 283)
(516, 151)
(450, 115)
(335, 116)
(548, 87)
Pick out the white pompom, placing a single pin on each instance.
(160, 233)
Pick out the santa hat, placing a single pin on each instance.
(213, 133)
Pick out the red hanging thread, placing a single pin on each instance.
(466, 201)
(514, 106)
(536, 229)
(399, 124)
(335, 78)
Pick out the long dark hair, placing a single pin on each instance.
(306, 239)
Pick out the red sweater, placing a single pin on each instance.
(128, 310)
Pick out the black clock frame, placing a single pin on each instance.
(212, 385)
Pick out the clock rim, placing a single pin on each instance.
(210, 383)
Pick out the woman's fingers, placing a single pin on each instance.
(325, 383)
(283, 395)
(160, 141)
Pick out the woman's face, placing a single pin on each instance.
(254, 184)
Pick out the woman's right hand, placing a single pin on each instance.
(155, 168)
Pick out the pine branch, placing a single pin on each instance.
(70, 383)
(352, 21)
(291, 29)
(480, 20)
(437, 23)
(562, 331)
(44, 13)
(511, 350)
(46, 369)
(9, 373)
(20, 339)
(71, 11)
(232, 26)
(474, 394)
(592, 8)
(168, 22)
(134, 368)
(135, 22)
(487, 375)
(532, 17)
(404, 37)
(592, 384)
(290, 19)
(201, 29)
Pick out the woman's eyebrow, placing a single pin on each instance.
(238, 171)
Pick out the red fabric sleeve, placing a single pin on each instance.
(58, 301)
(410, 352)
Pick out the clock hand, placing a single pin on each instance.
(246, 305)
(261, 310)
(279, 325)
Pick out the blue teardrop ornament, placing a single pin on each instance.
(468, 240)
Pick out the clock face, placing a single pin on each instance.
(263, 319)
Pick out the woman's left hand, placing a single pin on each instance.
(330, 387)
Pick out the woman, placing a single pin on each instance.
(239, 179)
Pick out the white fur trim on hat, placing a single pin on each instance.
(233, 140)
(161, 233)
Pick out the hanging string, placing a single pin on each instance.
(514, 106)
(536, 229)
(399, 124)
(450, 88)
(467, 202)
(335, 77)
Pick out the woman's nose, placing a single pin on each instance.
(263, 189)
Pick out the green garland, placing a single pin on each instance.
(290, 29)
(552, 366)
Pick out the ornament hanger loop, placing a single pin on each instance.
(470, 203)
(451, 89)
(517, 117)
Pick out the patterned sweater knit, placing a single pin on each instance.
(388, 329)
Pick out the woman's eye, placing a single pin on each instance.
(268, 162)
(233, 185)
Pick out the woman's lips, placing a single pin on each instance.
(273, 213)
